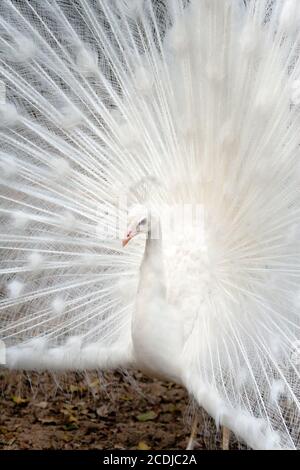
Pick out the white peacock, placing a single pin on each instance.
(201, 96)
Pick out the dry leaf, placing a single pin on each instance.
(102, 411)
(19, 400)
(77, 388)
(72, 419)
(143, 446)
(94, 384)
(42, 404)
(148, 416)
(126, 397)
(48, 420)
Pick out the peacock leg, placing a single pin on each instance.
(225, 438)
(193, 435)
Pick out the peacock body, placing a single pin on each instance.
(109, 106)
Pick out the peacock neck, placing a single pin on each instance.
(156, 331)
(152, 278)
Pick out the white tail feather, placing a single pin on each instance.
(202, 97)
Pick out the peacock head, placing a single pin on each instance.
(138, 222)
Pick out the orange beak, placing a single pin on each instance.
(129, 236)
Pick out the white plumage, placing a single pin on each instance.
(174, 103)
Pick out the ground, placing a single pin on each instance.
(111, 411)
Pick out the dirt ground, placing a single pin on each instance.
(111, 411)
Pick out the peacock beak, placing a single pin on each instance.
(129, 236)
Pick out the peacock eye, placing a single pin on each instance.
(143, 222)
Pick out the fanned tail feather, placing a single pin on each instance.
(201, 99)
